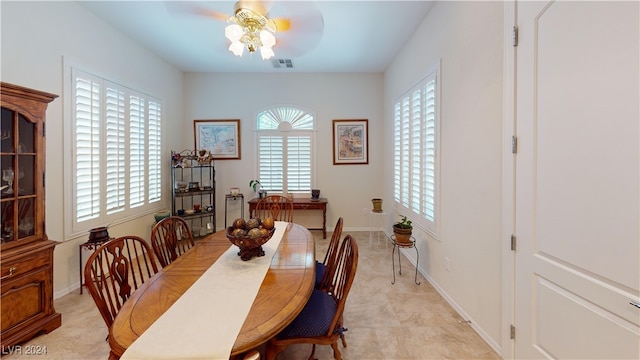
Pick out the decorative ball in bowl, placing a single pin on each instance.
(250, 235)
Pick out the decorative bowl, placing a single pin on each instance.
(98, 234)
(162, 214)
(249, 247)
(189, 212)
(181, 186)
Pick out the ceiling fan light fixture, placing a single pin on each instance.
(267, 38)
(237, 48)
(250, 28)
(266, 52)
(233, 32)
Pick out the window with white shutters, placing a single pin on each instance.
(116, 150)
(285, 150)
(416, 124)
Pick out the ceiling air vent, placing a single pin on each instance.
(282, 63)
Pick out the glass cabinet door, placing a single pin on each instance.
(18, 164)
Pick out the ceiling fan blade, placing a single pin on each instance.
(213, 14)
(304, 26)
(282, 24)
(195, 8)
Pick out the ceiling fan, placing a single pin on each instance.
(291, 27)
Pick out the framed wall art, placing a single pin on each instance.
(350, 142)
(220, 137)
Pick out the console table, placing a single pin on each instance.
(303, 204)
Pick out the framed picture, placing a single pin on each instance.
(350, 142)
(220, 137)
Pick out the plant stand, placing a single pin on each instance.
(399, 245)
(372, 215)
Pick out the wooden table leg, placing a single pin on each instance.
(324, 222)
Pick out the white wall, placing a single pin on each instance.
(36, 36)
(466, 39)
(348, 188)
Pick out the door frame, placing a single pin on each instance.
(508, 178)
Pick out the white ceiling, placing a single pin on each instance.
(325, 36)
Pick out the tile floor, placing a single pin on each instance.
(385, 321)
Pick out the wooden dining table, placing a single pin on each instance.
(283, 293)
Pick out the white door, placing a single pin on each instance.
(577, 180)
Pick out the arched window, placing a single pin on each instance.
(285, 149)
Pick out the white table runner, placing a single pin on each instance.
(205, 321)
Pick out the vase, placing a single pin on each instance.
(377, 205)
(402, 235)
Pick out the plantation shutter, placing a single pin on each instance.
(155, 151)
(115, 149)
(298, 163)
(87, 146)
(415, 141)
(397, 162)
(404, 151)
(271, 162)
(429, 166)
(136, 151)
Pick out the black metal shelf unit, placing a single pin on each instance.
(193, 189)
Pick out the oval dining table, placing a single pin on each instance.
(283, 293)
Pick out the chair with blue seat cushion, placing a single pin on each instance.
(330, 255)
(321, 322)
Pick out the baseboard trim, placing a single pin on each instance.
(479, 330)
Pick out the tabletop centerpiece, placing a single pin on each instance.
(250, 235)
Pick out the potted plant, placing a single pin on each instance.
(257, 188)
(402, 230)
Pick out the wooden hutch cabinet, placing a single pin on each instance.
(26, 254)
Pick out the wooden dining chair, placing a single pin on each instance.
(321, 322)
(279, 207)
(170, 238)
(329, 256)
(115, 270)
